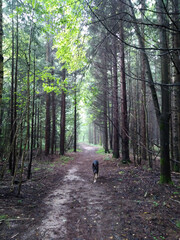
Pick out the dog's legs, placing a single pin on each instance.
(95, 177)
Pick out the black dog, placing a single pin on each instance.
(95, 167)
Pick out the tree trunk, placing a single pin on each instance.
(11, 158)
(15, 96)
(176, 61)
(48, 128)
(143, 93)
(53, 135)
(32, 124)
(75, 117)
(165, 115)
(63, 117)
(115, 103)
(1, 68)
(28, 89)
(124, 118)
(105, 86)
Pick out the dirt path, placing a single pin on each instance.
(126, 203)
(75, 208)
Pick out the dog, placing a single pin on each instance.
(95, 167)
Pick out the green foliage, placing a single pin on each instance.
(65, 159)
(108, 157)
(3, 217)
(178, 223)
(100, 151)
(72, 150)
(37, 169)
(156, 204)
(70, 49)
(71, 39)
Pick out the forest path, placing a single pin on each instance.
(61, 202)
(75, 208)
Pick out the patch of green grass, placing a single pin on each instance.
(72, 150)
(178, 223)
(20, 201)
(156, 203)
(65, 159)
(100, 151)
(52, 164)
(176, 193)
(50, 169)
(107, 158)
(37, 169)
(157, 238)
(3, 217)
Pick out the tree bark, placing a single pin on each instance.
(11, 158)
(143, 93)
(105, 86)
(63, 117)
(1, 68)
(176, 61)
(53, 135)
(15, 95)
(124, 117)
(75, 116)
(115, 103)
(32, 122)
(48, 127)
(165, 176)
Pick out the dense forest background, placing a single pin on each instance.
(106, 72)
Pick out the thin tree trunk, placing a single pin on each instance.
(53, 135)
(95, 134)
(111, 115)
(11, 159)
(105, 85)
(48, 129)
(15, 94)
(115, 104)
(75, 117)
(143, 93)
(124, 118)
(48, 122)
(32, 124)
(28, 88)
(1, 68)
(63, 117)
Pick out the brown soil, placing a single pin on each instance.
(62, 202)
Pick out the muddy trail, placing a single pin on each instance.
(61, 202)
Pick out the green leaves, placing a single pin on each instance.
(52, 83)
(70, 48)
(71, 39)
